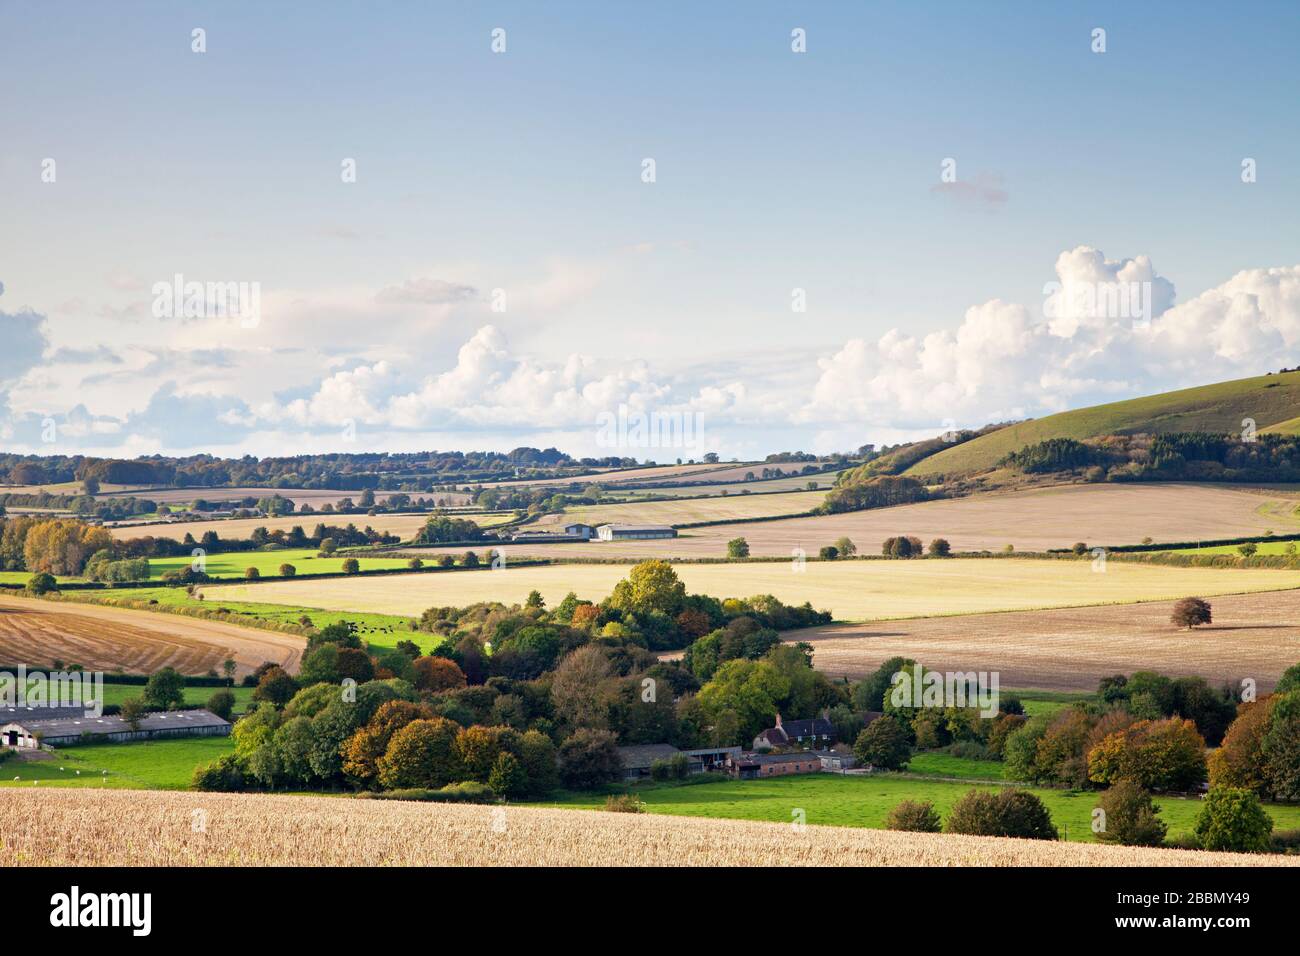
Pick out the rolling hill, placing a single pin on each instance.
(1273, 401)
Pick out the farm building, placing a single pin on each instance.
(814, 733)
(751, 766)
(638, 760)
(543, 537)
(29, 728)
(835, 762)
(623, 532)
(584, 531)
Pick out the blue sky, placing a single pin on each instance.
(521, 171)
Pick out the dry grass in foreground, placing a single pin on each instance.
(115, 828)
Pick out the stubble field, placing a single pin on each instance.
(37, 633)
(1254, 636)
(1038, 519)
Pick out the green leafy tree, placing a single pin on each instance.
(846, 547)
(737, 548)
(165, 689)
(131, 710)
(1007, 813)
(884, 744)
(351, 566)
(507, 777)
(222, 703)
(1233, 819)
(917, 816)
(589, 759)
(1129, 816)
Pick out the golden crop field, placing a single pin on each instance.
(719, 508)
(37, 633)
(124, 828)
(851, 590)
(1254, 636)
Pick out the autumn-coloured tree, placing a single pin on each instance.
(437, 674)
(361, 751)
(62, 547)
(585, 615)
(355, 664)
(1164, 754)
(477, 749)
(1190, 612)
(421, 754)
(692, 624)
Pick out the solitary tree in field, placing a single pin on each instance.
(846, 547)
(737, 548)
(1248, 549)
(351, 566)
(1190, 612)
(940, 548)
(228, 669)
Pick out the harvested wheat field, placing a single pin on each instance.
(116, 828)
(1253, 636)
(851, 590)
(38, 632)
(688, 510)
(403, 525)
(1033, 520)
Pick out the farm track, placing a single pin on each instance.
(119, 828)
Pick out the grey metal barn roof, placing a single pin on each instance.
(642, 756)
(27, 714)
(59, 728)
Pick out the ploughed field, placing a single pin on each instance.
(39, 632)
(851, 590)
(124, 828)
(1254, 636)
(1037, 519)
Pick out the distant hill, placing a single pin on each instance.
(1273, 401)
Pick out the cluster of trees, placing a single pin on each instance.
(419, 472)
(441, 529)
(1260, 752)
(857, 494)
(60, 546)
(107, 509)
(1007, 813)
(909, 546)
(574, 683)
(1181, 456)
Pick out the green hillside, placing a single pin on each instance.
(1271, 400)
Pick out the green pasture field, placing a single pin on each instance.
(233, 564)
(115, 694)
(378, 630)
(865, 800)
(144, 765)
